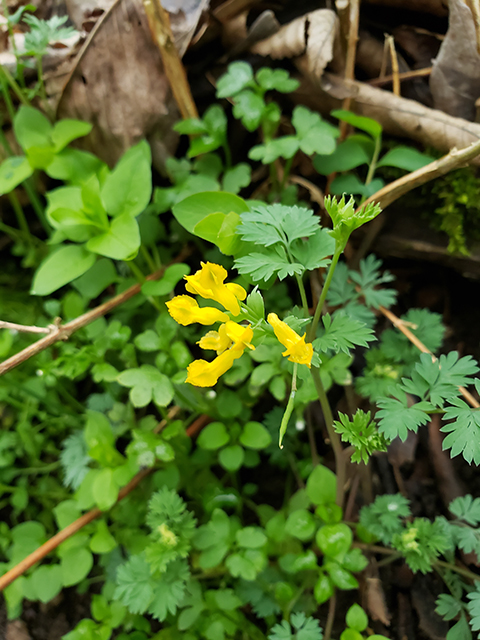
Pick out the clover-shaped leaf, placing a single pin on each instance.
(146, 384)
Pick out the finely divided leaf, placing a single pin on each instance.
(464, 432)
(396, 418)
(262, 266)
(466, 508)
(342, 333)
(314, 252)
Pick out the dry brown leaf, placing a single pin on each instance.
(376, 605)
(434, 7)
(398, 116)
(118, 84)
(314, 36)
(455, 77)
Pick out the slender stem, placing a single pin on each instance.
(303, 294)
(286, 172)
(373, 164)
(340, 461)
(36, 204)
(148, 259)
(331, 617)
(6, 95)
(14, 86)
(323, 295)
(228, 155)
(22, 221)
(289, 407)
(141, 279)
(25, 328)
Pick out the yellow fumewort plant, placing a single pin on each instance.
(232, 338)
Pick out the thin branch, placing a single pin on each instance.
(13, 326)
(65, 331)
(49, 546)
(401, 326)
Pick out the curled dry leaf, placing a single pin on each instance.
(398, 116)
(315, 36)
(376, 601)
(455, 77)
(118, 83)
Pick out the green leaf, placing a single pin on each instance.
(120, 242)
(342, 333)
(359, 122)
(248, 108)
(66, 512)
(315, 135)
(396, 418)
(237, 177)
(167, 283)
(349, 154)
(314, 252)
(105, 489)
(384, 517)
(361, 433)
(466, 508)
(60, 268)
(64, 131)
(322, 486)
(276, 80)
(464, 432)
(13, 171)
(74, 460)
(195, 208)
(251, 538)
(74, 166)
(239, 75)
(215, 122)
(405, 158)
(134, 584)
(335, 540)
(47, 582)
(300, 524)
(262, 266)
(31, 128)
(213, 436)
(100, 275)
(231, 458)
(220, 229)
(255, 436)
(447, 606)
(102, 540)
(75, 565)
(323, 589)
(284, 147)
(340, 577)
(128, 188)
(147, 383)
(168, 593)
(356, 618)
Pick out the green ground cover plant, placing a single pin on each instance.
(206, 376)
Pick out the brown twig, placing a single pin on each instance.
(405, 75)
(159, 23)
(401, 326)
(13, 326)
(65, 331)
(353, 21)
(49, 546)
(394, 62)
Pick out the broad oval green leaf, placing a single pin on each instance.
(67, 130)
(213, 436)
(60, 268)
(120, 242)
(32, 128)
(13, 171)
(335, 540)
(255, 436)
(322, 485)
(195, 208)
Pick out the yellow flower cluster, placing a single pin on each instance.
(231, 339)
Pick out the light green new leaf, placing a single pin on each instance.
(67, 130)
(255, 436)
(31, 128)
(13, 171)
(121, 242)
(360, 122)
(60, 268)
(284, 147)
(147, 383)
(213, 436)
(128, 188)
(75, 565)
(105, 489)
(166, 284)
(349, 154)
(239, 75)
(405, 158)
(314, 134)
(47, 582)
(195, 208)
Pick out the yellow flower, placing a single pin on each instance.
(206, 374)
(297, 349)
(185, 310)
(208, 283)
(228, 334)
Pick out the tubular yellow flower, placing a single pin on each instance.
(228, 334)
(206, 374)
(185, 310)
(208, 283)
(297, 349)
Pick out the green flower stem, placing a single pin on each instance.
(22, 221)
(373, 164)
(289, 407)
(148, 259)
(331, 617)
(14, 86)
(340, 459)
(36, 204)
(137, 272)
(286, 172)
(318, 311)
(303, 294)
